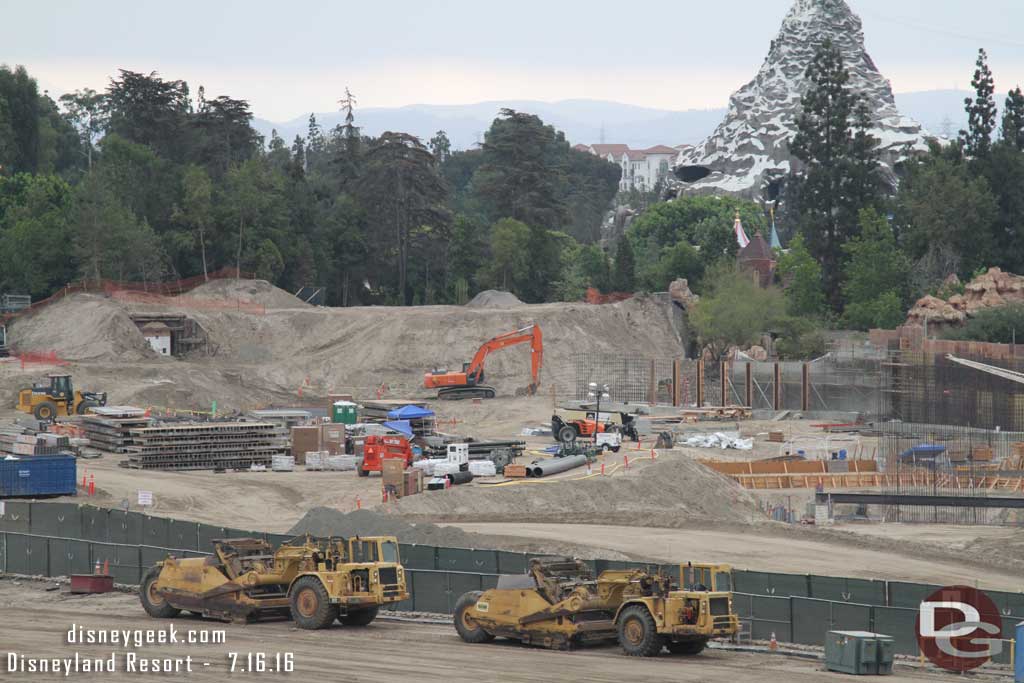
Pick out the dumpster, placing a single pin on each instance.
(858, 652)
(38, 475)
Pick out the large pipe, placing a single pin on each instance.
(460, 477)
(542, 468)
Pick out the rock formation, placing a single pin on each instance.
(989, 290)
(749, 150)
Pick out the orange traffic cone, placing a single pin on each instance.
(773, 644)
(359, 503)
(97, 570)
(106, 567)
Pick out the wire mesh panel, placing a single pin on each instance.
(632, 379)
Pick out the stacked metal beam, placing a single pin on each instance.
(108, 428)
(14, 441)
(205, 446)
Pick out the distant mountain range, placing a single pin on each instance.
(590, 121)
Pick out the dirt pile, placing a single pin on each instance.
(255, 291)
(675, 489)
(494, 298)
(324, 521)
(81, 327)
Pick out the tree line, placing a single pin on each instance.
(145, 181)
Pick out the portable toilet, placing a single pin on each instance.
(344, 412)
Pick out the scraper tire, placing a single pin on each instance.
(468, 629)
(154, 604)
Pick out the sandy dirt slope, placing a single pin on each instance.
(384, 651)
(752, 550)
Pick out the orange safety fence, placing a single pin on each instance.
(39, 358)
(108, 287)
(594, 296)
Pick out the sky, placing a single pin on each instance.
(288, 59)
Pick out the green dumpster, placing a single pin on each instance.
(344, 412)
(858, 652)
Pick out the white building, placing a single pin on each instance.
(159, 337)
(641, 168)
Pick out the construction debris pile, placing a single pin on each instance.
(720, 440)
(209, 446)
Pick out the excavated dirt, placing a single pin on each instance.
(494, 298)
(674, 488)
(259, 359)
(255, 291)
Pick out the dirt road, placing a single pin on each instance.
(757, 551)
(385, 651)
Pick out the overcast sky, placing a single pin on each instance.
(289, 59)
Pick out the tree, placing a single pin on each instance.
(801, 279)
(36, 253)
(595, 268)
(981, 111)
(19, 121)
(839, 163)
(223, 134)
(507, 268)
(942, 205)
(876, 277)
(519, 177)
(348, 158)
(148, 110)
(85, 110)
(1013, 119)
(734, 310)
(401, 190)
(468, 245)
(197, 207)
(624, 276)
(441, 146)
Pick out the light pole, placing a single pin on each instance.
(598, 391)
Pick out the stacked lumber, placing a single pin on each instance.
(108, 428)
(205, 446)
(715, 413)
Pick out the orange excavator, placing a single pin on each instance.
(470, 382)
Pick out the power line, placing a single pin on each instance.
(944, 31)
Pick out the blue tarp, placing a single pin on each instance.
(923, 451)
(409, 413)
(402, 426)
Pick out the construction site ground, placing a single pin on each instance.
(387, 650)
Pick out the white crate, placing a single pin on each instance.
(282, 463)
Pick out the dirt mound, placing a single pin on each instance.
(494, 298)
(676, 488)
(323, 521)
(256, 291)
(81, 327)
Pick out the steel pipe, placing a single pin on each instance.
(543, 468)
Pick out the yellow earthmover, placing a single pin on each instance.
(313, 581)
(558, 604)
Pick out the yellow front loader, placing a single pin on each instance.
(559, 604)
(313, 581)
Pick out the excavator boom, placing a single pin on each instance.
(469, 382)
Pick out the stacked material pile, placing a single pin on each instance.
(14, 441)
(108, 428)
(206, 446)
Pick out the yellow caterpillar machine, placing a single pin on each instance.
(559, 605)
(59, 397)
(313, 581)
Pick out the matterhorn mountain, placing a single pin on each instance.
(749, 151)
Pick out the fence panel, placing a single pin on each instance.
(847, 616)
(156, 531)
(124, 560)
(125, 527)
(811, 619)
(458, 584)
(463, 559)
(1008, 603)
(767, 615)
(27, 555)
(95, 524)
(56, 519)
(841, 589)
(431, 592)
(901, 624)
(418, 556)
(3, 551)
(16, 516)
(207, 534)
(902, 594)
(69, 557)
(767, 583)
(182, 535)
(512, 563)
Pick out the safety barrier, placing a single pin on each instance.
(55, 539)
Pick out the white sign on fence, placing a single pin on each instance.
(145, 497)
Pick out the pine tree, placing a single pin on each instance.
(981, 111)
(441, 146)
(1013, 119)
(840, 164)
(624, 277)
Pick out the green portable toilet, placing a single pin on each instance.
(858, 652)
(344, 412)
